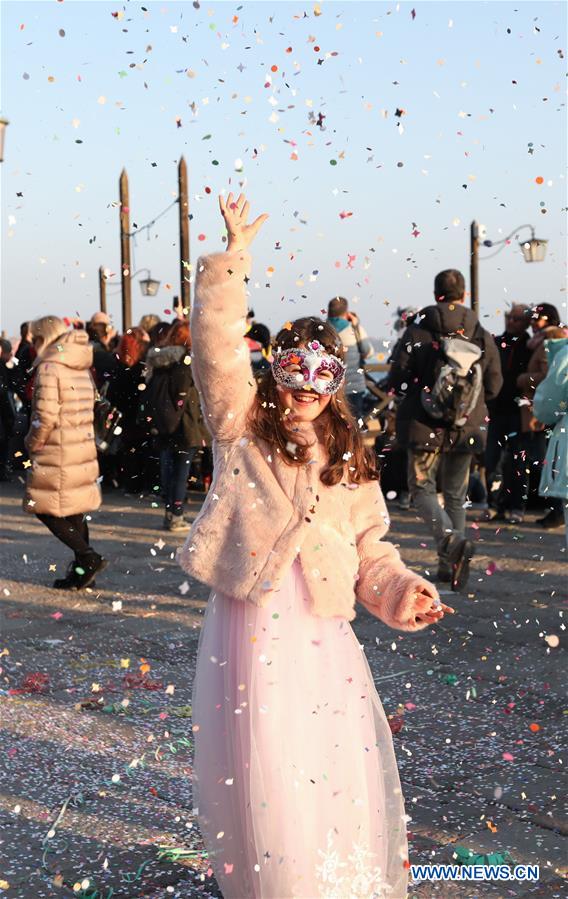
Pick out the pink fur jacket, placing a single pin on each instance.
(260, 512)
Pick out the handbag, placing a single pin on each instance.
(106, 421)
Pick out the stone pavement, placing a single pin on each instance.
(95, 736)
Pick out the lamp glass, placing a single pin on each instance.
(149, 287)
(534, 250)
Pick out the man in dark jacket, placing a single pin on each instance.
(101, 334)
(506, 458)
(171, 408)
(429, 440)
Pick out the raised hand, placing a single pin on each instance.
(235, 214)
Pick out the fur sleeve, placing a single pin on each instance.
(221, 359)
(384, 585)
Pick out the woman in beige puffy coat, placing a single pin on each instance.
(62, 480)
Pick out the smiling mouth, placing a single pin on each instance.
(305, 398)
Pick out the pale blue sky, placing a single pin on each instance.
(106, 94)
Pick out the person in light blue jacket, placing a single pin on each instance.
(358, 347)
(550, 406)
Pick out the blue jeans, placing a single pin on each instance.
(175, 465)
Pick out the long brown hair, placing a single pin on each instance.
(179, 334)
(339, 430)
(132, 346)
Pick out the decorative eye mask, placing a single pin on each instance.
(313, 366)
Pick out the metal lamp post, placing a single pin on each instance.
(3, 124)
(533, 250)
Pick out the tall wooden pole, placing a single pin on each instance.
(125, 267)
(474, 267)
(185, 293)
(102, 289)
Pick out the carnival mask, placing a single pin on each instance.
(313, 367)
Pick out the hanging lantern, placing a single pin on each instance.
(149, 286)
(534, 250)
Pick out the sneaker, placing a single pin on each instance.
(516, 516)
(179, 523)
(87, 569)
(404, 501)
(551, 520)
(167, 520)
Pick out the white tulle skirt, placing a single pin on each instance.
(296, 783)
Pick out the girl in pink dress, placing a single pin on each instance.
(296, 783)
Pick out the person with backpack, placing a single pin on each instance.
(358, 348)
(170, 407)
(446, 367)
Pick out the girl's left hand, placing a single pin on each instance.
(432, 609)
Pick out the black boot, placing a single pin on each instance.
(459, 551)
(69, 582)
(552, 519)
(86, 569)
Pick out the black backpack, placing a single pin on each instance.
(458, 380)
(158, 411)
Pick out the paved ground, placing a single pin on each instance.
(95, 758)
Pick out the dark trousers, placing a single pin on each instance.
(4, 456)
(356, 403)
(507, 460)
(510, 457)
(131, 466)
(73, 531)
(175, 465)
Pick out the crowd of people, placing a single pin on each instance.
(294, 530)
(149, 433)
